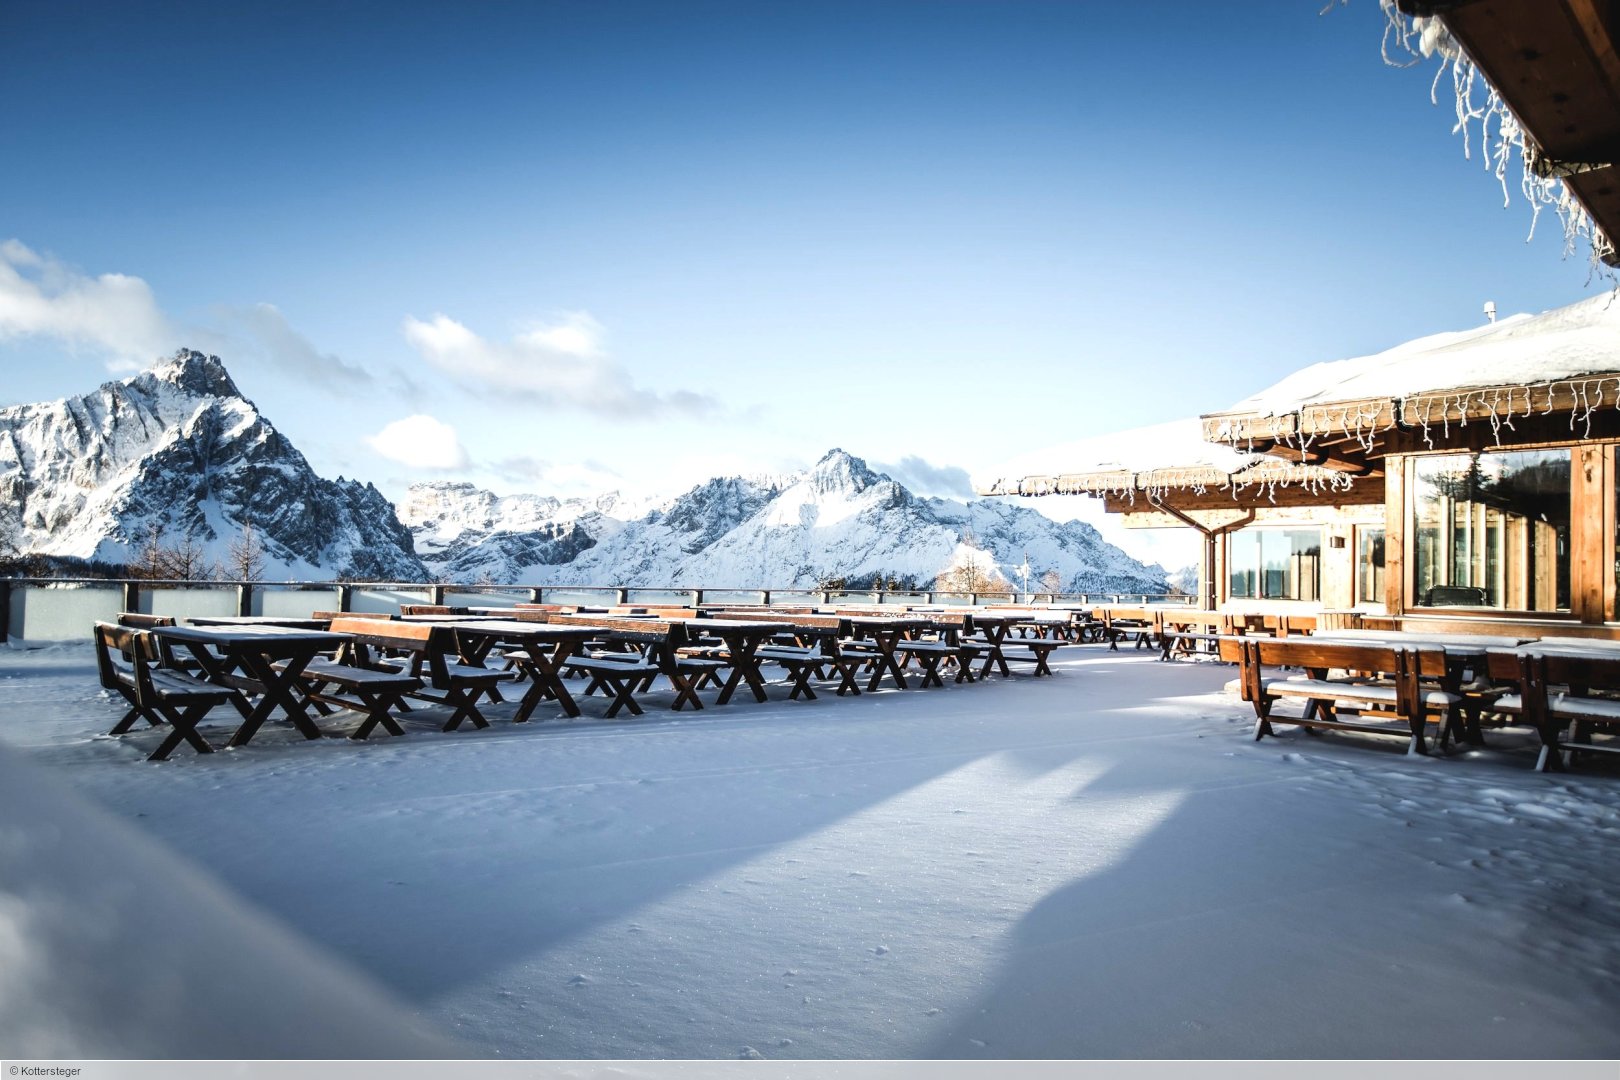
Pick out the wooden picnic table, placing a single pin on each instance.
(542, 650)
(291, 622)
(885, 633)
(1181, 631)
(742, 638)
(264, 660)
(1565, 689)
(1466, 656)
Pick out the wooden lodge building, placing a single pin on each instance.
(1454, 479)
(1452, 482)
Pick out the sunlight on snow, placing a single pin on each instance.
(855, 931)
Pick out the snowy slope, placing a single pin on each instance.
(180, 449)
(839, 519)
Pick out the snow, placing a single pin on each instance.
(1175, 444)
(1100, 864)
(1572, 342)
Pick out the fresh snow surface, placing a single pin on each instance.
(1175, 444)
(1100, 864)
(1571, 342)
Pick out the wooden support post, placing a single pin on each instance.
(436, 595)
(5, 609)
(765, 597)
(244, 599)
(345, 597)
(621, 596)
(132, 596)
(535, 594)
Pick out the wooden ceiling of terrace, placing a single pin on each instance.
(1556, 65)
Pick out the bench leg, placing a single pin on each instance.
(466, 708)
(1262, 722)
(622, 690)
(377, 705)
(686, 689)
(184, 722)
(799, 675)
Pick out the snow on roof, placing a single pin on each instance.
(1571, 342)
(1177, 444)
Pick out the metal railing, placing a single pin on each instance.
(64, 609)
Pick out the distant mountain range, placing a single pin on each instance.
(177, 451)
(838, 521)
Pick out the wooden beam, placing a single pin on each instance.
(1395, 561)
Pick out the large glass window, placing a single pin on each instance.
(1492, 530)
(1275, 564)
(1370, 565)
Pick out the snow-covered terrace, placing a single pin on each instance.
(1154, 458)
(1098, 864)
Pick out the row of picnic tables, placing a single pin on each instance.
(266, 661)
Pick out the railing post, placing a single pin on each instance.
(621, 596)
(436, 595)
(5, 609)
(535, 594)
(764, 598)
(244, 599)
(132, 596)
(345, 597)
(697, 597)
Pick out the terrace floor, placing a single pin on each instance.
(1100, 864)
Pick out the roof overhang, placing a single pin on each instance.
(1555, 65)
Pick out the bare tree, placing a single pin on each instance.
(189, 561)
(1052, 582)
(151, 559)
(244, 559)
(973, 573)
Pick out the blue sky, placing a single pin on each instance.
(629, 245)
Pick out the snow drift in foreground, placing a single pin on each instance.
(1100, 864)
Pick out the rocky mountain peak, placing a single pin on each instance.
(196, 374)
(840, 471)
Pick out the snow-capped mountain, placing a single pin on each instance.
(838, 520)
(177, 452)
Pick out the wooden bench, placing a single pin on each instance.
(814, 645)
(1409, 694)
(355, 681)
(423, 653)
(157, 695)
(948, 645)
(1035, 651)
(1556, 694)
(653, 648)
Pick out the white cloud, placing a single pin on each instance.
(561, 364)
(267, 332)
(115, 314)
(420, 442)
(926, 479)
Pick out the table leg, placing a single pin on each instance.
(993, 658)
(546, 675)
(743, 666)
(278, 686)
